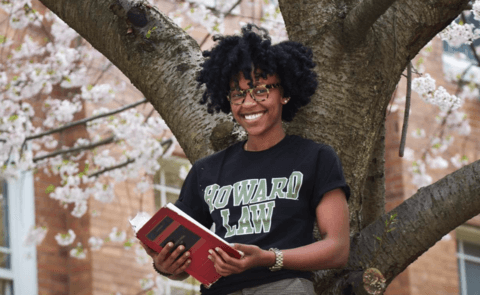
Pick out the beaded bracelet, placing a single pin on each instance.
(162, 273)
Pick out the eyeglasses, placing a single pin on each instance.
(258, 93)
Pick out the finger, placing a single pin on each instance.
(220, 265)
(171, 260)
(227, 258)
(180, 261)
(185, 265)
(162, 256)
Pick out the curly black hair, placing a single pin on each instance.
(290, 61)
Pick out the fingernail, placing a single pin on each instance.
(209, 257)
(188, 261)
(210, 251)
(170, 244)
(216, 249)
(181, 247)
(187, 254)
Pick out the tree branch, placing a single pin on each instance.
(84, 121)
(76, 149)
(161, 63)
(361, 18)
(421, 222)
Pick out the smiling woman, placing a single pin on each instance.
(264, 194)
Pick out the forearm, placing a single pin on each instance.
(325, 254)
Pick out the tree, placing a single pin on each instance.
(361, 49)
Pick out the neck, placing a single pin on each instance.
(261, 143)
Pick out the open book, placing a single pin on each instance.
(171, 224)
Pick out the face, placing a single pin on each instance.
(262, 119)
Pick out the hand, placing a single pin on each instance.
(226, 265)
(167, 262)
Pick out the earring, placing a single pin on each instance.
(286, 100)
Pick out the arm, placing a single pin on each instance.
(331, 252)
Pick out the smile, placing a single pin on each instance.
(253, 116)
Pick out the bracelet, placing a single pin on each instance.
(160, 272)
(278, 260)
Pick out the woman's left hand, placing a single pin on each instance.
(226, 265)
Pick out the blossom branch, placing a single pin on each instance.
(407, 109)
(226, 14)
(129, 161)
(76, 149)
(84, 121)
(361, 18)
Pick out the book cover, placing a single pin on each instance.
(170, 224)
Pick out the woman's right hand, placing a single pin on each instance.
(166, 262)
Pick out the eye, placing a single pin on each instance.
(236, 94)
(260, 91)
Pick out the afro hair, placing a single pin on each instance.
(252, 50)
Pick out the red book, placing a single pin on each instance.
(171, 224)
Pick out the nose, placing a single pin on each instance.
(249, 101)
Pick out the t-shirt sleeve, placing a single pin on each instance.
(329, 175)
(191, 202)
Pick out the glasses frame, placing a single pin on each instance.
(250, 90)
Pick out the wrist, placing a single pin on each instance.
(268, 258)
(161, 272)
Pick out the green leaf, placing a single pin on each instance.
(50, 189)
(390, 229)
(13, 118)
(378, 238)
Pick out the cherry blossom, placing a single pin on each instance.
(78, 252)
(35, 236)
(95, 243)
(117, 235)
(65, 239)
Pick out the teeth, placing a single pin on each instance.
(253, 117)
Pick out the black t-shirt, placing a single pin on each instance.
(265, 198)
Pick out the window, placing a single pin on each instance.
(18, 272)
(468, 254)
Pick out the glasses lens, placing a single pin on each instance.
(236, 96)
(260, 93)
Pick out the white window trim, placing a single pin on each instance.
(471, 235)
(21, 217)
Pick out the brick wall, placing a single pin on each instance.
(435, 272)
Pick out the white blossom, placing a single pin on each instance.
(141, 256)
(80, 209)
(65, 239)
(436, 163)
(456, 34)
(35, 236)
(95, 243)
(476, 9)
(117, 235)
(146, 283)
(78, 252)
(418, 133)
(458, 161)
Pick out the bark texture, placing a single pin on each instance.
(158, 57)
(347, 112)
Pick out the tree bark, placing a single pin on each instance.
(162, 65)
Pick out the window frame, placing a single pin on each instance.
(471, 235)
(19, 195)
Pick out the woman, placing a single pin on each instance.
(264, 194)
